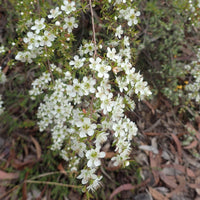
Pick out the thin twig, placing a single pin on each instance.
(8, 192)
(95, 48)
(93, 29)
(38, 6)
(39, 182)
(45, 174)
(54, 183)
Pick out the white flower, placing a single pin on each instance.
(126, 41)
(119, 127)
(121, 159)
(133, 17)
(78, 62)
(88, 85)
(93, 157)
(79, 147)
(101, 93)
(130, 14)
(86, 127)
(89, 48)
(39, 25)
(77, 87)
(130, 102)
(54, 13)
(122, 83)
(107, 104)
(119, 31)
(101, 138)
(2, 49)
(68, 75)
(121, 145)
(111, 54)
(1, 105)
(103, 70)
(126, 52)
(33, 40)
(94, 63)
(29, 23)
(69, 24)
(24, 56)
(68, 7)
(95, 184)
(86, 175)
(47, 39)
(64, 155)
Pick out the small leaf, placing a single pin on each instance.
(61, 169)
(149, 148)
(156, 195)
(122, 188)
(192, 145)
(37, 146)
(4, 175)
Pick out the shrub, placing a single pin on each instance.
(88, 80)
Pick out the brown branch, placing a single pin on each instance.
(93, 29)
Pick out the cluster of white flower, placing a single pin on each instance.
(85, 104)
(130, 14)
(194, 87)
(193, 7)
(40, 37)
(2, 49)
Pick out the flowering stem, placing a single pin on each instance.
(49, 65)
(93, 29)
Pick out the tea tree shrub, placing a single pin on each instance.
(88, 80)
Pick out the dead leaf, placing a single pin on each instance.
(128, 187)
(155, 164)
(191, 160)
(198, 136)
(178, 145)
(5, 69)
(198, 121)
(110, 154)
(122, 188)
(5, 175)
(21, 165)
(170, 181)
(24, 188)
(192, 145)
(194, 186)
(37, 146)
(197, 181)
(179, 189)
(182, 169)
(61, 169)
(149, 106)
(148, 148)
(153, 134)
(173, 150)
(156, 195)
(113, 168)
